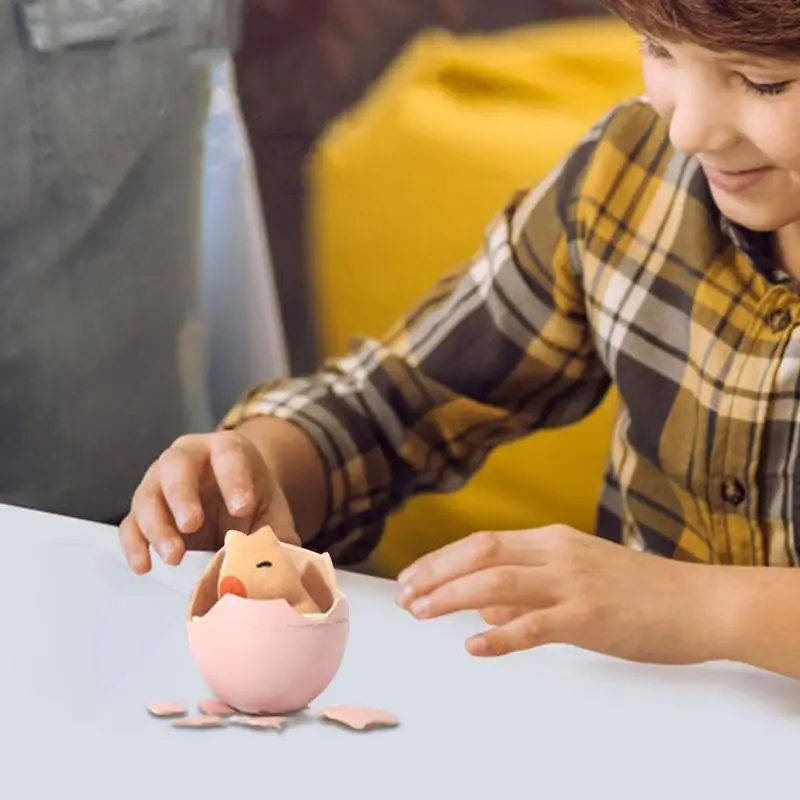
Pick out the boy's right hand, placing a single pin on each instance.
(201, 487)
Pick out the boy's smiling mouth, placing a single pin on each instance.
(735, 181)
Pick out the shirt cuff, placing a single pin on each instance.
(350, 522)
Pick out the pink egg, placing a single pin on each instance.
(262, 656)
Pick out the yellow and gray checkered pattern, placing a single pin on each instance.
(618, 269)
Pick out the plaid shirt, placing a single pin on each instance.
(617, 270)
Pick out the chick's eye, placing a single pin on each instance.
(264, 564)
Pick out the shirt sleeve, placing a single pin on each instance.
(496, 351)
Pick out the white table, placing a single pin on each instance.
(86, 645)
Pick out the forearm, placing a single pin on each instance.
(298, 467)
(760, 617)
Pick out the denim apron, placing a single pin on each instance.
(102, 111)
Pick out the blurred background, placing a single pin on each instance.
(304, 63)
(385, 134)
(198, 195)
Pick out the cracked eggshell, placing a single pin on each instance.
(262, 656)
(360, 719)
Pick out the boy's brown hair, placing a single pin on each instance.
(766, 28)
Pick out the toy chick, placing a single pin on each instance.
(257, 566)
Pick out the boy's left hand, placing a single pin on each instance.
(557, 585)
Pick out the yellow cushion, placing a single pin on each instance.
(401, 191)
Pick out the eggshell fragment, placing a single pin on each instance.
(275, 723)
(199, 722)
(359, 719)
(216, 708)
(167, 709)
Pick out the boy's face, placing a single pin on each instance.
(739, 115)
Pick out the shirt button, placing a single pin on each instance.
(779, 320)
(733, 491)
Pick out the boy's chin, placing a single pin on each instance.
(757, 217)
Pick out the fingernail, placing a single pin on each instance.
(404, 575)
(238, 502)
(420, 608)
(185, 516)
(477, 646)
(166, 550)
(404, 595)
(136, 563)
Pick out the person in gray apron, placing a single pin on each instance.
(103, 105)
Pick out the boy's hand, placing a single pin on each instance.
(200, 488)
(556, 585)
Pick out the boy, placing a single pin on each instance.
(663, 255)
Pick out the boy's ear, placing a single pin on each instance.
(232, 537)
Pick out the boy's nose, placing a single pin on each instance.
(697, 128)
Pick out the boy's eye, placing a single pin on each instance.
(767, 89)
(263, 564)
(654, 49)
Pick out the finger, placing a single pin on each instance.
(232, 462)
(477, 552)
(277, 514)
(499, 586)
(179, 470)
(134, 546)
(501, 615)
(534, 629)
(155, 522)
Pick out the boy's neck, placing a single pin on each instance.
(787, 249)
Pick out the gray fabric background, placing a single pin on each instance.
(101, 344)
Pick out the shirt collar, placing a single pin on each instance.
(758, 247)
